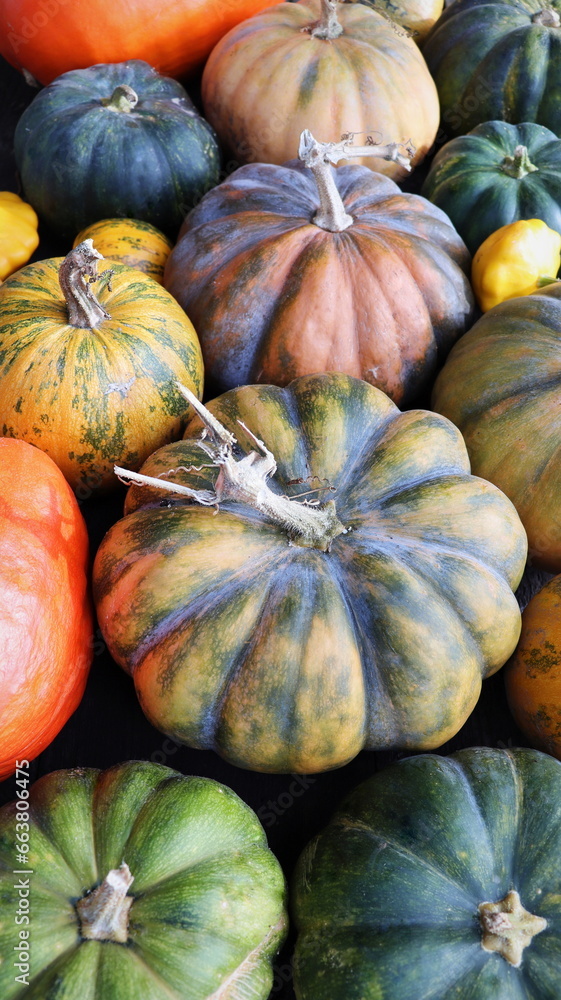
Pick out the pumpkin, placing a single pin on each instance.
(297, 269)
(350, 591)
(50, 37)
(131, 242)
(438, 877)
(114, 140)
(46, 643)
(533, 675)
(333, 68)
(416, 17)
(495, 175)
(92, 380)
(517, 259)
(500, 386)
(18, 232)
(144, 883)
(496, 59)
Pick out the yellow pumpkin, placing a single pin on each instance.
(131, 242)
(18, 232)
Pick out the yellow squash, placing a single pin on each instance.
(514, 261)
(18, 232)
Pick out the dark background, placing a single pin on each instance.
(109, 726)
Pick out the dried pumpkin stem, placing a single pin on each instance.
(123, 98)
(104, 913)
(508, 928)
(245, 481)
(328, 26)
(518, 165)
(76, 274)
(547, 17)
(318, 157)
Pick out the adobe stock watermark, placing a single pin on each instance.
(272, 810)
(22, 886)
(30, 27)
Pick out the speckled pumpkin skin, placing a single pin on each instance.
(416, 17)
(501, 387)
(386, 898)
(533, 675)
(285, 658)
(131, 242)
(273, 296)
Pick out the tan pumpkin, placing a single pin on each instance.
(335, 69)
(130, 241)
(414, 16)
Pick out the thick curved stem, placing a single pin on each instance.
(318, 156)
(518, 165)
(123, 98)
(76, 274)
(245, 481)
(328, 26)
(104, 913)
(508, 928)
(547, 17)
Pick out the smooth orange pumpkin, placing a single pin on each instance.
(50, 37)
(45, 615)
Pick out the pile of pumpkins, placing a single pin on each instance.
(323, 556)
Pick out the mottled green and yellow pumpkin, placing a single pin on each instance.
(140, 884)
(288, 637)
(501, 387)
(416, 17)
(437, 878)
(333, 68)
(131, 242)
(92, 381)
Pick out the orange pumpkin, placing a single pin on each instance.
(45, 615)
(49, 37)
(130, 241)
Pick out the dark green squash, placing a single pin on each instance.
(497, 174)
(114, 140)
(497, 59)
(416, 889)
(198, 898)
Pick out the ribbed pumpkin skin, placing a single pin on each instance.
(491, 61)
(415, 16)
(269, 78)
(467, 180)
(93, 398)
(399, 620)
(501, 387)
(386, 898)
(81, 162)
(273, 296)
(131, 242)
(208, 913)
(533, 676)
(45, 608)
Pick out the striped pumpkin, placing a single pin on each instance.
(131, 242)
(284, 654)
(91, 396)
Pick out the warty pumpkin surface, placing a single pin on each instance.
(438, 877)
(146, 884)
(272, 76)
(273, 295)
(285, 651)
(99, 386)
(500, 386)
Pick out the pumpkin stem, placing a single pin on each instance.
(328, 26)
(518, 165)
(318, 156)
(508, 928)
(245, 481)
(547, 17)
(123, 98)
(104, 912)
(76, 274)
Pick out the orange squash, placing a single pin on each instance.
(131, 242)
(45, 615)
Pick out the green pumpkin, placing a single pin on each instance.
(191, 904)
(501, 387)
(497, 174)
(114, 140)
(496, 60)
(289, 637)
(417, 888)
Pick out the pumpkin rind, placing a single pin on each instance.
(467, 179)
(81, 161)
(400, 619)
(386, 898)
(46, 642)
(131, 242)
(500, 386)
(208, 911)
(273, 296)
(94, 397)
(270, 78)
(415, 16)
